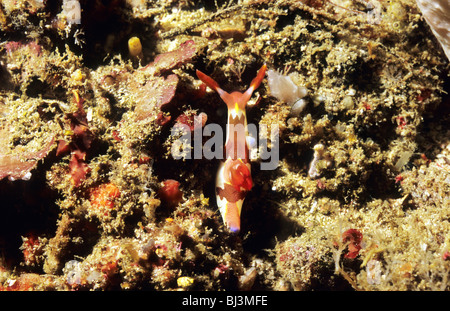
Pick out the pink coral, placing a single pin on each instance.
(159, 91)
(353, 237)
(189, 119)
(154, 94)
(170, 192)
(82, 139)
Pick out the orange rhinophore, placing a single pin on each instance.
(234, 178)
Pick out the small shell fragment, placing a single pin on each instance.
(283, 88)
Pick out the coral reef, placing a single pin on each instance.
(90, 101)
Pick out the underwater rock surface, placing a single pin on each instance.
(89, 122)
(437, 14)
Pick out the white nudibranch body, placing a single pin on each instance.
(283, 88)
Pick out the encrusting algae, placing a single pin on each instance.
(91, 107)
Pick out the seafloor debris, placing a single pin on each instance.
(353, 238)
(111, 208)
(320, 161)
(19, 165)
(81, 141)
(283, 88)
(437, 15)
(135, 47)
(170, 192)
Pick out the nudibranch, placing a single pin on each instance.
(234, 178)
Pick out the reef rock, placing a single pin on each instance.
(437, 15)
